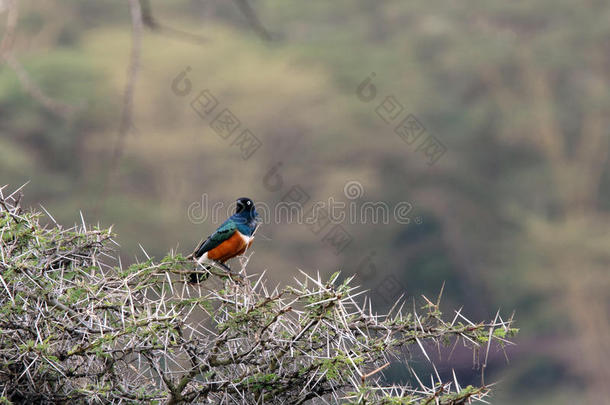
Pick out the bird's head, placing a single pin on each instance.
(245, 206)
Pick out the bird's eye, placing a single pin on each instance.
(248, 202)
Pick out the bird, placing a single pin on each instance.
(231, 239)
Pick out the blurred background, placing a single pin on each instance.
(490, 121)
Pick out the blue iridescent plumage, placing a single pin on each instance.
(245, 220)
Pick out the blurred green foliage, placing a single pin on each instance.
(516, 91)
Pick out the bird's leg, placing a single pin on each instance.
(223, 266)
(234, 276)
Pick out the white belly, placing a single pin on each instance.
(246, 239)
(204, 259)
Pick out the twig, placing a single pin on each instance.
(253, 19)
(126, 123)
(154, 25)
(6, 55)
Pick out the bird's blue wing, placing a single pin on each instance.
(224, 232)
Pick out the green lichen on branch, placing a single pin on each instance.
(78, 327)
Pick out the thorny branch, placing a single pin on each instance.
(76, 326)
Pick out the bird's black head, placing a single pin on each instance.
(244, 205)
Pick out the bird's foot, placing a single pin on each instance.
(230, 273)
(223, 266)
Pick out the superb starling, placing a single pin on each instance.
(231, 239)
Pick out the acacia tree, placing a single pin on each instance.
(76, 327)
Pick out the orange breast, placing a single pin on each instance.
(231, 247)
